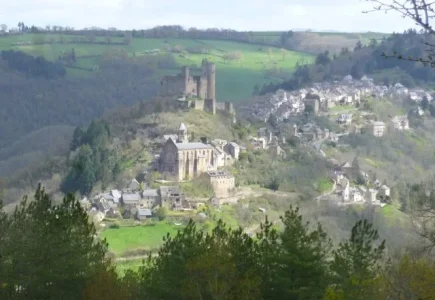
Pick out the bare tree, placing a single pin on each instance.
(4, 27)
(421, 12)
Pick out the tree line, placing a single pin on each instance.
(51, 251)
(32, 66)
(366, 59)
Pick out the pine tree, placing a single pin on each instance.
(301, 268)
(48, 251)
(356, 263)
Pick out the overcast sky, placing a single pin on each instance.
(340, 15)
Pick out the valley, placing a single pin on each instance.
(166, 136)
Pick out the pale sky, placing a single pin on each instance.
(340, 15)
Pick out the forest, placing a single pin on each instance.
(367, 60)
(31, 103)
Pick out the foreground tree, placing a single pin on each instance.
(356, 265)
(300, 264)
(228, 264)
(409, 278)
(195, 265)
(49, 251)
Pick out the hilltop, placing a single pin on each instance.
(253, 61)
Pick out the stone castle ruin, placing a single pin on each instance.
(196, 91)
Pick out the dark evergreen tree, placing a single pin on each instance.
(49, 251)
(356, 265)
(301, 265)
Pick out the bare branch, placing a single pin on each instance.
(420, 11)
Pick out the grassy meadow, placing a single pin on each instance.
(125, 238)
(235, 80)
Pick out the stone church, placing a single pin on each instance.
(185, 160)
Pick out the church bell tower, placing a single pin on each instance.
(182, 134)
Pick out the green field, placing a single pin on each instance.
(235, 80)
(138, 237)
(130, 238)
(394, 216)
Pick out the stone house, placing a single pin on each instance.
(222, 182)
(258, 143)
(384, 192)
(377, 128)
(103, 205)
(371, 196)
(265, 133)
(144, 213)
(345, 119)
(400, 123)
(131, 199)
(221, 157)
(233, 149)
(172, 197)
(275, 150)
(333, 137)
(150, 199)
(356, 195)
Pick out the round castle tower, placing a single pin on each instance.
(211, 81)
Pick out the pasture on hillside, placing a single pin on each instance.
(235, 79)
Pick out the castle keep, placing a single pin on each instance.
(196, 91)
(202, 86)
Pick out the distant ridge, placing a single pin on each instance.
(332, 31)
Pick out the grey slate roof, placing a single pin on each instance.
(150, 193)
(131, 198)
(192, 146)
(144, 212)
(171, 190)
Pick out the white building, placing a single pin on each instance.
(377, 129)
(400, 123)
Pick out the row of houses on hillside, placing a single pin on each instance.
(326, 95)
(140, 201)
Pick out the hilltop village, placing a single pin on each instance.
(182, 157)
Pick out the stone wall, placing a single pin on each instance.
(172, 85)
(210, 105)
(199, 104)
